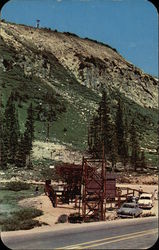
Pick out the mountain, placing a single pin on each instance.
(68, 73)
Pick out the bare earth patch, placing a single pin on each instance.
(144, 179)
(56, 151)
(51, 214)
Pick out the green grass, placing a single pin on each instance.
(76, 129)
(21, 220)
(12, 216)
(17, 186)
(79, 101)
(27, 213)
(152, 158)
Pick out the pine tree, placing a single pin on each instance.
(126, 142)
(135, 149)
(113, 151)
(11, 130)
(121, 133)
(4, 148)
(126, 132)
(1, 134)
(29, 134)
(21, 155)
(102, 133)
(3, 159)
(94, 138)
(143, 160)
(90, 137)
(97, 143)
(105, 123)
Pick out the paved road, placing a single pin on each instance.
(123, 234)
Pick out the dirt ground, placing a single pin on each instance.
(143, 179)
(52, 214)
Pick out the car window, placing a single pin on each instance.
(129, 205)
(145, 198)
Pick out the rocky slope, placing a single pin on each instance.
(92, 64)
(74, 70)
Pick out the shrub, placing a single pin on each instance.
(95, 41)
(70, 34)
(27, 213)
(63, 218)
(65, 130)
(13, 224)
(22, 220)
(75, 218)
(17, 186)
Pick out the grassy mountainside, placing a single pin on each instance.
(35, 62)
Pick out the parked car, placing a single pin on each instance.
(131, 198)
(145, 201)
(129, 210)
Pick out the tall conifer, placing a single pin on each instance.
(105, 123)
(135, 148)
(21, 154)
(11, 129)
(143, 160)
(29, 133)
(114, 150)
(121, 133)
(3, 159)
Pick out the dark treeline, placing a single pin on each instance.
(118, 136)
(15, 146)
(119, 139)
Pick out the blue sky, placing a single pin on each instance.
(130, 26)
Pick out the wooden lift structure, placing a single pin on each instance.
(93, 189)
